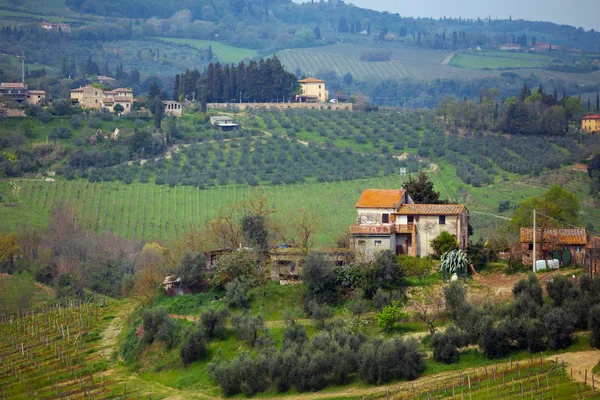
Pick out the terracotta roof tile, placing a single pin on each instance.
(431, 209)
(595, 116)
(311, 80)
(12, 85)
(594, 242)
(559, 236)
(380, 198)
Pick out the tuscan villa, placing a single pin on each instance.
(19, 93)
(91, 97)
(313, 91)
(389, 219)
(591, 123)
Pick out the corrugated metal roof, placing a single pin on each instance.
(559, 236)
(431, 209)
(380, 198)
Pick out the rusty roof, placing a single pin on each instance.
(311, 80)
(594, 242)
(380, 198)
(431, 209)
(595, 116)
(560, 236)
(12, 85)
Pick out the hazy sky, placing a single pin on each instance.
(579, 13)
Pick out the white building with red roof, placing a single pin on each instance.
(313, 91)
(389, 219)
(94, 98)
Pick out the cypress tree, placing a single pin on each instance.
(597, 101)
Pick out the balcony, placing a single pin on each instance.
(380, 229)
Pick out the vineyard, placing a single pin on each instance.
(56, 352)
(148, 211)
(536, 379)
(419, 64)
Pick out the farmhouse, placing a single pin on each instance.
(172, 108)
(19, 93)
(510, 47)
(389, 219)
(313, 91)
(56, 27)
(568, 245)
(96, 99)
(223, 122)
(590, 123)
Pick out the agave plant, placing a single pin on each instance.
(454, 262)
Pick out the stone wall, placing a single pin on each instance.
(281, 106)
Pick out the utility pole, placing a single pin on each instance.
(23, 68)
(534, 248)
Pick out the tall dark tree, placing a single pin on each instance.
(210, 53)
(421, 190)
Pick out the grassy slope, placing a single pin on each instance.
(498, 60)
(221, 51)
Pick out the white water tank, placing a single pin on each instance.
(540, 265)
(553, 264)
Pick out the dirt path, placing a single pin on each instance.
(579, 362)
(447, 60)
(113, 330)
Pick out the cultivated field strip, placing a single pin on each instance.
(55, 353)
(158, 212)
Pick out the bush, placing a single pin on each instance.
(319, 280)
(381, 361)
(294, 334)
(445, 345)
(319, 313)
(531, 287)
(558, 327)
(241, 375)
(212, 321)
(193, 346)
(443, 243)
(493, 340)
(238, 264)
(236, 293)
(389, 316)
(594, 324)
(158, 326)
(560, 288)
(248, 327)
(383, 273)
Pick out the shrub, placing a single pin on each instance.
(384, 273)
(191, 271)
(531, 287)
(443, 243)
(236, 293)
(248, 327)
(318, 280)
(241, 375)
(380, 361)
(594, 324)
(319, 313)
(158, 326)
(213, 320)
(560, 288)
(238, 264)
(558, 327)
(193, 346)
(389, 316)
(493, 340)
(294, 334)
(445, 345)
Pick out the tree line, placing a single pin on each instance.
(261, 81)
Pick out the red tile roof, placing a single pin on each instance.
(559, 236)
(594, 242)
(431, 209)
(380, 198)
(12, 85)
(311, 80)
(36, 92)
(595, 116)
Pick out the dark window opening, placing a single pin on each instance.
(411, 219)
(442, 220)
(530, 246)
(385, 218)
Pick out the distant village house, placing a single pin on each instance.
(172, 108)
(91, 97)
(19, 93)
(313, 91)
(510, 47)
(389, 219)
(590, 123)
(223, 122)
(55, 27)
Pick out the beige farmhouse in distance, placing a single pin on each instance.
(389, 219)
(91, 97)
(313, 91)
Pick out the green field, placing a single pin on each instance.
(221, 52)
(499, 60)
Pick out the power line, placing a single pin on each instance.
(566, 223)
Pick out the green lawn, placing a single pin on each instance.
(221, 52)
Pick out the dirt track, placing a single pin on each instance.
(580, 362)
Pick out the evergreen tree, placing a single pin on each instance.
(210, 53)
(597, 101)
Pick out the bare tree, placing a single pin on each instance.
(428, 305)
